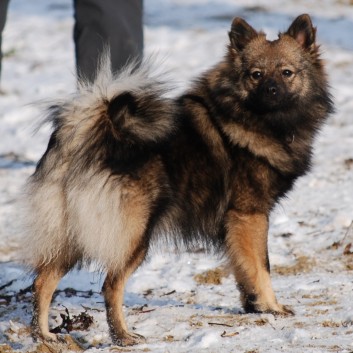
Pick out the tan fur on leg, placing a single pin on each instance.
(43, 289)
(247, 241)
(113, 290)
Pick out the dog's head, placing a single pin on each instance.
(275, 75)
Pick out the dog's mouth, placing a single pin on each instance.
(269, 99)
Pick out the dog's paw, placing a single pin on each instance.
(128, 339)
(46, 336)
(267, 308)
(282, 310)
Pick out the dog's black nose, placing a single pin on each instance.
(272, 90)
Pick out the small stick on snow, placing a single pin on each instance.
(219, 324)
(230, 334)
(92, 309)
(169, 293)
(348, 233)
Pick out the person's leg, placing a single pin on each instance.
(113, 23)
(3, 12)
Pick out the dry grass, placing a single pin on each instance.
(303, 264)
(211, 276)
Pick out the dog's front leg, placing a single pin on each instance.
(247, 249)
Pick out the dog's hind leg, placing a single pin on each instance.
(44, 286)
(113, 290)
(247, 249)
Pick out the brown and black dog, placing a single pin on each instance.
(126, 165)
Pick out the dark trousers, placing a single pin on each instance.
(3, 12)
(116, 24)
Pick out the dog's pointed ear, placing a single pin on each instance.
(303, 32)
(241, 34)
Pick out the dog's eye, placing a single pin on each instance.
(256, 75)
(287, 73)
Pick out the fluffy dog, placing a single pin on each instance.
(125, 165)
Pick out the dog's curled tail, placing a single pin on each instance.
(135, 100)
(129, 109)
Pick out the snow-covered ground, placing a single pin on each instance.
(167, 300)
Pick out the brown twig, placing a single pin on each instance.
(219, 324)
(92, 309)
(169, 293)
(230, 334)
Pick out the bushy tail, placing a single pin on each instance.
(135, 101)
(117, 116)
